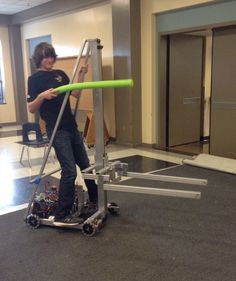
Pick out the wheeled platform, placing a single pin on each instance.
(45, 204)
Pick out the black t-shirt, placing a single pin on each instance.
(41, 81)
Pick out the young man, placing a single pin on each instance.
(68, 143)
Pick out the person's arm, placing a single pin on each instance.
(34, 105)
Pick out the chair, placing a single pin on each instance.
(32, 140)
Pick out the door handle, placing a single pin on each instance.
(191, 100)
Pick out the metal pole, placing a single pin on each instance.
(98, 104)
(193, 181)
(100, 154)
(81, 79)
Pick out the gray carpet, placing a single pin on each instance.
(154, 238)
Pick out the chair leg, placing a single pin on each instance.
(28, 155)
(21, 156)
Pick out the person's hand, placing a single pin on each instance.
(49, 94)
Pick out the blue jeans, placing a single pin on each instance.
(70, 151)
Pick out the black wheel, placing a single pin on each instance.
(33, 221)
(113, 208)
(89, 229)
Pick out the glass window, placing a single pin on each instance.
(32, 43)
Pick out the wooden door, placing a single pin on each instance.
(185, 89)
(223, 101)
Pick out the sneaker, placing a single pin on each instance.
(88, 210)
(69, 220)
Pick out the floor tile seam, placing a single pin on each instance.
(164, 169)
(160, 156)
(27, 172)
(13, 209)
(161, 152)
(157, 156)
(122, 153)
(133, 152)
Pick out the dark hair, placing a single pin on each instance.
(41, 51)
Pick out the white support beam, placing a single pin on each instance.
(153, 191)
(193, 181)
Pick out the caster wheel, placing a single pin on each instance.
(33, 221)
(89, 229)
(113, 208)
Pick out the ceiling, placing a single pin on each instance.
(11, 7)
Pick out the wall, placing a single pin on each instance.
(165, 5)
(148, 10)
(127, 64)
(68, 32)
(7, 111)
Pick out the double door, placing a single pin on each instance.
(223, 95)
(185, 95)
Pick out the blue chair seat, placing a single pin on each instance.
(35, 143)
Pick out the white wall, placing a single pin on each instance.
(7, 111)
(68, 32)
(148, 10)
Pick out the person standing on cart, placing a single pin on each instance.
(68, 143)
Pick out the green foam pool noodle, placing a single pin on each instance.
(95, 84)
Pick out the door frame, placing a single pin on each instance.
(195, 18)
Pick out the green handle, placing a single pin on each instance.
(95, 84)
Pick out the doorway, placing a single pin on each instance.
(187, 86)
(220, 106)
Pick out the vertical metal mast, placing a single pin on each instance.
(100, 155)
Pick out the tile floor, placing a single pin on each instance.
(13, 174)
